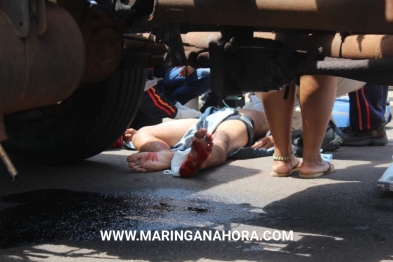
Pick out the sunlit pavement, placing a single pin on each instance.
(56, 213)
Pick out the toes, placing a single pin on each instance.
(139, 169)
(134, 162)
(133, 158)
(136, 167)
(130, 131)
(200, 133)
(209, 138)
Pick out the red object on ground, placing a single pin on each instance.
(118, 143)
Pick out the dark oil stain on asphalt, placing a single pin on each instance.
(50, 215)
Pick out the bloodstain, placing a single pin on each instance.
(192, 165)
(151, 155)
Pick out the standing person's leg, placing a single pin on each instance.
(367, 108)
(183, 89)
(317, 95)
(344, 86)
(279, 113)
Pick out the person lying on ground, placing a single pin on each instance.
(225, 131)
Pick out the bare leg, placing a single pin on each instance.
(278, 113)
(155, 142)
(207, 150)
(201, 147)
(161, 137)
(154, 161)
(317, 94)
(229, 136)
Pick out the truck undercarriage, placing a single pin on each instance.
(72, 73)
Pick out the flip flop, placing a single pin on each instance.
(315, 175)
(294, 169)
(129, 145)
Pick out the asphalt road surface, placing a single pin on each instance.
(57, 213)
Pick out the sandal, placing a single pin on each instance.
(315, 175)
(294, 169)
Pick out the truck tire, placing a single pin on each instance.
(84, 125)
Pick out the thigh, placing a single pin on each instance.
(172, 80)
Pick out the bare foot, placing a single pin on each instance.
(201, 147)
(150, 161)
(129, 134)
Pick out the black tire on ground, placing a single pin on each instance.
(84, 125)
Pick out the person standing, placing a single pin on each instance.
(317, 95)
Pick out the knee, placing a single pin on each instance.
(136, 139)
(139, 138)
